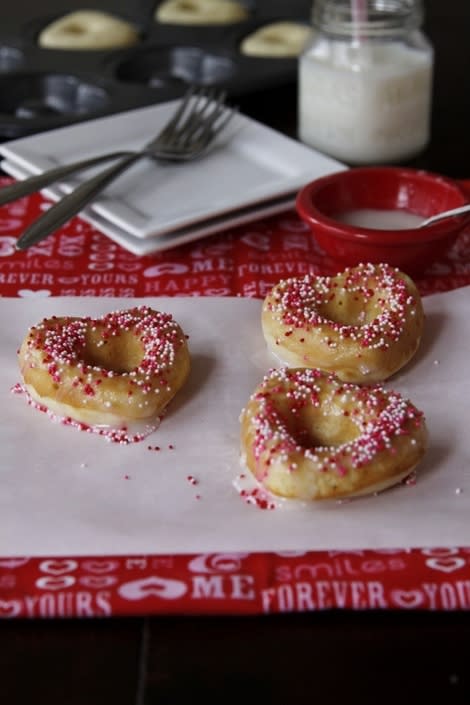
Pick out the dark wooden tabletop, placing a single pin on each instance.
(328, 657)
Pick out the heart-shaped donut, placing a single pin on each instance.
(88, 30)
(284, 38)
(306, 435)
(363, 324)
(196, 12)
(123, 367)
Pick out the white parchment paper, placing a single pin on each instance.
(65, 492)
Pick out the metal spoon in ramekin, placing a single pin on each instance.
(445, 214)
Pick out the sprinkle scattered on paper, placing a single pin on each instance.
(63, 492)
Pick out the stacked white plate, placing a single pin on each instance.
(253, 171)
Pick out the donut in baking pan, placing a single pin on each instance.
(197, 12)
(88, 30)
(277, 39)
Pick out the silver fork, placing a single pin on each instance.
(191, 130)
(34, 183)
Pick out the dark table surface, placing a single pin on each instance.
(331, 657)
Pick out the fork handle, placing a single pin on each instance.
(73, 203)
(39, 181)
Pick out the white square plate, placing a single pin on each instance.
(252, 164)
(148, 245)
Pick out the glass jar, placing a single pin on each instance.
(365, 81)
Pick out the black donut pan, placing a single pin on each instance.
(41, 89)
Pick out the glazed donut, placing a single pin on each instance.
(88, 29)
(109, 371)
(201, 12)
(306, 435)
(278, 39)
(363, 324)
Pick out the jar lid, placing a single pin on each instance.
(367, 18)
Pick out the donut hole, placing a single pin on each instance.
(317, 427)
(188, 6)
(317, 430)
(273, 39)
(74, 28)
(120, 354)
(351, 309)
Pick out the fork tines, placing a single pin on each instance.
(203, 113)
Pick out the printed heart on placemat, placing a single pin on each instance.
(445, 564)
(30, 294)
(166, 268)
(216, 562)
(49, 582)
(57, 567)
(408, 599)
(153, 586)
(100, 566)
(9, 608)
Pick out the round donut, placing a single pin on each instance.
(307, 435)
(123, 367)
(88, 29)
(192, 12)
(278, 39)
(363, 324)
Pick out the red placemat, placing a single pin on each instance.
(246, 261)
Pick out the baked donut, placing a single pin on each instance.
(88, 29)
(278, 39)
(193, 12)
(363, 324)
(124, 367)
(307, 435)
